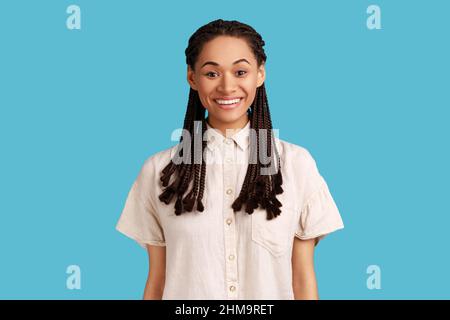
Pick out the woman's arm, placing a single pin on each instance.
(154, 287)
(304, 281)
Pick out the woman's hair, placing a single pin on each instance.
(257, 189)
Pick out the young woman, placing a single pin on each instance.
(231, 212)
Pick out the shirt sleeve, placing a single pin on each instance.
(139, 219)
(319, 215)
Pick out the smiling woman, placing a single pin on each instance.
(229, 228)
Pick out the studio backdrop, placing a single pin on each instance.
(90, 89)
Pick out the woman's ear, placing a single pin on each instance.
(261, 75)
(190, 78)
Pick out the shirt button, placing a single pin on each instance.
(227, 141)
(229, 221)
(232, 288)
(229, 191)
(228, 160)
(231, 257)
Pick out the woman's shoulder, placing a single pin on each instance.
(294, 153)
(160, 159)
(298, 162)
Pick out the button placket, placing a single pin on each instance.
(229, 225)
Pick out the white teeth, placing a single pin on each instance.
(228, 101)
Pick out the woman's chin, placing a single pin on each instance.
(228, 116)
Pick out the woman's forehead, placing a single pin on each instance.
(223, 48)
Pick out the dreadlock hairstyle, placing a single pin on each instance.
(257, 189)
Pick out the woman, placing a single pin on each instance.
(231, 212)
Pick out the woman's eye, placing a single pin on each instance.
(239, 73)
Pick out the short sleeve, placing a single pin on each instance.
(319, 214)
(139, 219)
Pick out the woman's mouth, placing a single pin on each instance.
(228, 104)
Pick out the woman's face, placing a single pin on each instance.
(226, 69)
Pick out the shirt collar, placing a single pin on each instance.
(241, 137)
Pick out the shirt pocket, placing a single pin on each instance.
(273, 235)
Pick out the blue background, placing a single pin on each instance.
(80, 110)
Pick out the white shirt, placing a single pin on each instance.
(219, 254)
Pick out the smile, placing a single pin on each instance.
(228, 104)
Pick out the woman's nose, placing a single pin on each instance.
(227, 83)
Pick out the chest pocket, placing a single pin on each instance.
(274, 235)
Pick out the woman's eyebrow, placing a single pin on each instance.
(216, 64)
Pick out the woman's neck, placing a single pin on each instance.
(223, 126)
